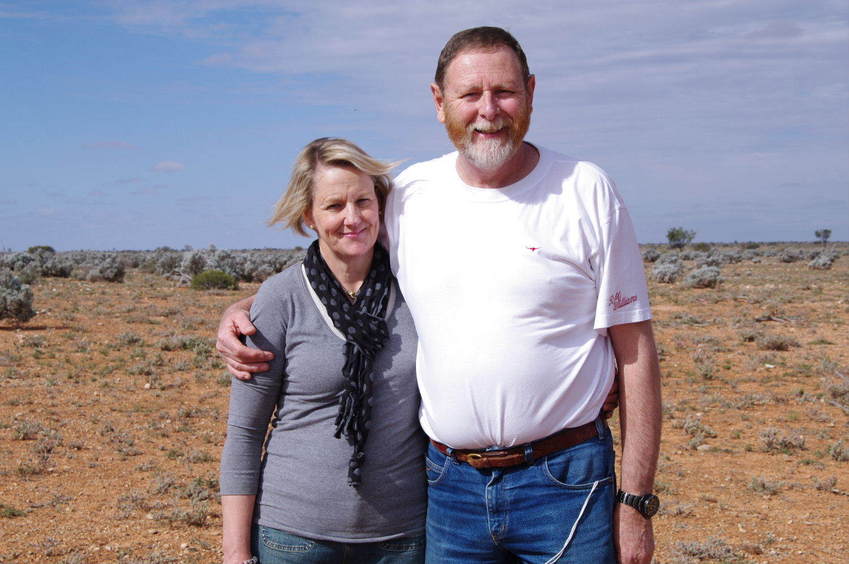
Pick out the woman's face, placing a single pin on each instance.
(345, 212)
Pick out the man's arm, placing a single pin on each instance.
(241, 361)
(640, 420)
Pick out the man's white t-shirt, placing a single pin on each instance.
(511, 291)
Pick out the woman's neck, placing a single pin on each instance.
(351, 272)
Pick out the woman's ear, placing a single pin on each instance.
(308, 218)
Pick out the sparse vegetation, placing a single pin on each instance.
(121, 382)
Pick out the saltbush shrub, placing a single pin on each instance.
(193, 263)
(704, 277)
(15, 298)
(108, 270)
(214, 280)
(669, 258)
(823, 261)
(666, 272)
(651, 255)
(789, 255)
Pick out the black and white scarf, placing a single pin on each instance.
(364, 326)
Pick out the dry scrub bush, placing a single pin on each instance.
(775, 441)
(839, 451)
(108, 269)
(788, 255)
(823, 261)
(775, 342)
(712, 549)
(15, 298)
(704, 277)
(651, 255)
(666, 272)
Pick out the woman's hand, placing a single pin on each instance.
(241, 361)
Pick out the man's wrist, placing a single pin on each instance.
(646, 504)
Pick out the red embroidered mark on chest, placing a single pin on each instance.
(618, 302)
(533, 249)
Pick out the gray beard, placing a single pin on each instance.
(488, 155)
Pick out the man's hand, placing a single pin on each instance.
(241, 361)
(633, 535)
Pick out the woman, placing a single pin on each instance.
(342, 478)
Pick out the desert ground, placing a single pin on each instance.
(113, 412)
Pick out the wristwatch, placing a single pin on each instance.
(251, 560)
(647, 504)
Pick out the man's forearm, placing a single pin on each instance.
(640, 421)
(640, 406)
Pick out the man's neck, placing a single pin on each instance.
(513, 170)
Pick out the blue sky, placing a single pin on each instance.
(132, 125)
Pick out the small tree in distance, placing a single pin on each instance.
(823, 235)
(679, 237)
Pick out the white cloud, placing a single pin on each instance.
(168, 166)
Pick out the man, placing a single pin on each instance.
(521, 269)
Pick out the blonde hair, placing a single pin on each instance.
(326, 151)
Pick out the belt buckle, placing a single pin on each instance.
(475, 459)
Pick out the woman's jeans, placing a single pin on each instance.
(557, 509)
(273, 546)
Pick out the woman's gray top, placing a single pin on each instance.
(302, 482)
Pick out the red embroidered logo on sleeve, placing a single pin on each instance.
(618, 302)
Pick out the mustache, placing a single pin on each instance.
(487, 126)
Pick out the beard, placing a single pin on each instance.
(488, 154)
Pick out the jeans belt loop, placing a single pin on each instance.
(529, 453)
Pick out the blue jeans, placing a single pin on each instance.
(557, 509)
(273, 546)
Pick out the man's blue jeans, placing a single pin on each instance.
(557, 509)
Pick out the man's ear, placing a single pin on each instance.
(529, 87)
(438, 101)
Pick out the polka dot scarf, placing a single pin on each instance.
(364, 327)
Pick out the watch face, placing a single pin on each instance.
(650, 505)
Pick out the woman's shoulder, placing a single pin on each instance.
(284, 283)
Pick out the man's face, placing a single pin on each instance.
(485, 105)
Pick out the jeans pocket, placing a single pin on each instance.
(581, 466)
(435, 465)
(277, 540)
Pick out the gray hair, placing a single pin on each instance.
(484, 37)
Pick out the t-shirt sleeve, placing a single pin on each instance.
(253, 402)
(623, 296)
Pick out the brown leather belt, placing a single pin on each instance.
(515, 456)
